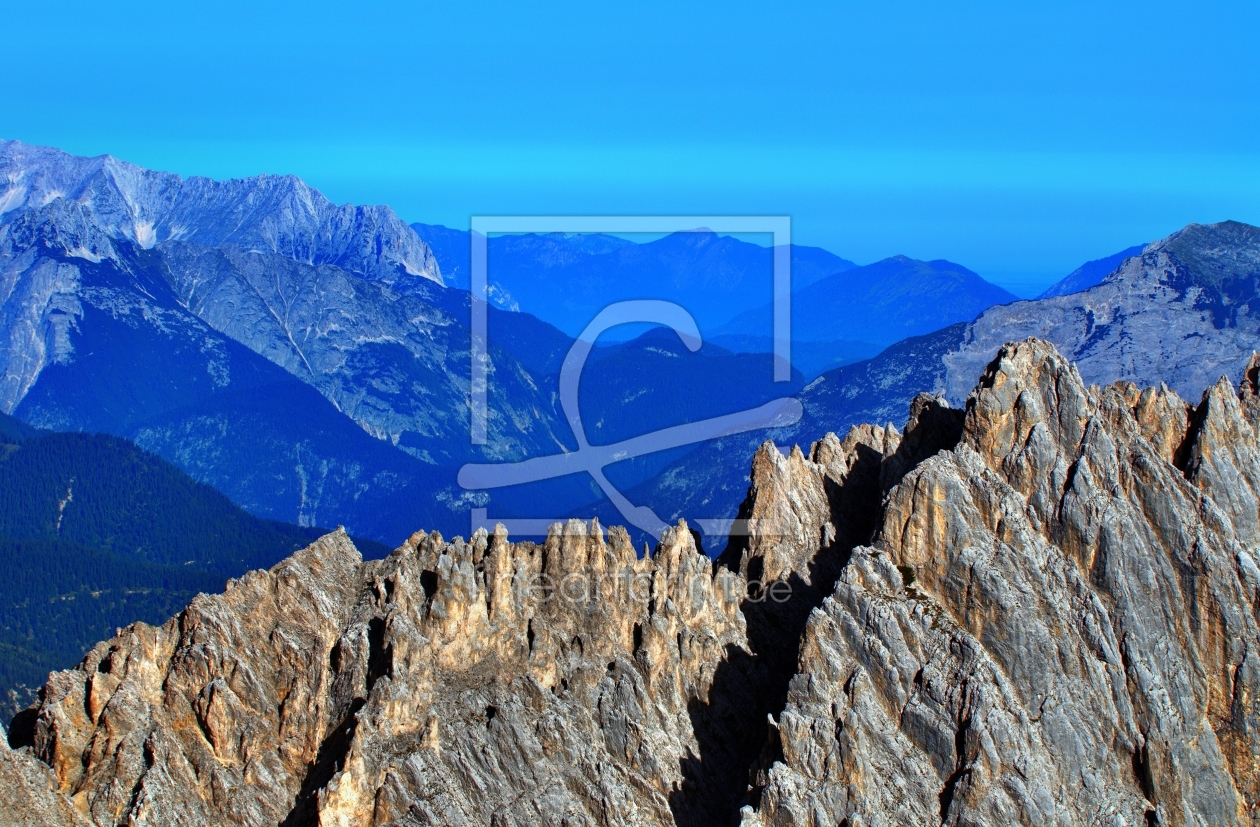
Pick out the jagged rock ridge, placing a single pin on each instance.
(1038, 610)
(268, 213)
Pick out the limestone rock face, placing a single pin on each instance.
(1040, 609)
(1055, 625)
(29, 796)
(452, 683)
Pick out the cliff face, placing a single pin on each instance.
(1055, 625)
(1040, 610)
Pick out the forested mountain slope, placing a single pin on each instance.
(97, 533)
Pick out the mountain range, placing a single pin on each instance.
(1182, 313)
(566, 279)
(202, 373)
(202, 352)
(307, 359)
(881, 303)
(270, 213)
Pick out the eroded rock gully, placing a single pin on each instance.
(1041, 610)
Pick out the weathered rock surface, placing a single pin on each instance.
(29, 796)
(1038, 610)
(268, 213)
(465, 683)
(1183, 312)
(1055, 625)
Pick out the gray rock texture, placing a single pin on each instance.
(1056, 623)
(29, 796)
(1040, 609)
(268, 213)
(1183, 312)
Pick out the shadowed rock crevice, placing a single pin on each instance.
(1186, 458)
(22, 728)
(956, 777)
(738, 739)
(328, 762)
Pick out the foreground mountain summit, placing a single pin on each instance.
(1040, 610)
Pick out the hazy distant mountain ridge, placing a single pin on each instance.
(882, 302)
(1185, 312)
(567, 279)
(299, 390)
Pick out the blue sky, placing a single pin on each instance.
(1017, 139)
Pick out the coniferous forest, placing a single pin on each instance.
(96, 533)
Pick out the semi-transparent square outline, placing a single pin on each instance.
(482, 226)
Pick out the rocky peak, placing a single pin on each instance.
(271, 213)
(1184, 312)
(1040, 609)
(1054, 620)
(1216, 254)
(60, 228)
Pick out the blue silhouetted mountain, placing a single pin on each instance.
(1090, 273)
(566, 279)
(880, 303)
(96, 533)
(810, 358)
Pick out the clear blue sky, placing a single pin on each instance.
(1017, 139)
